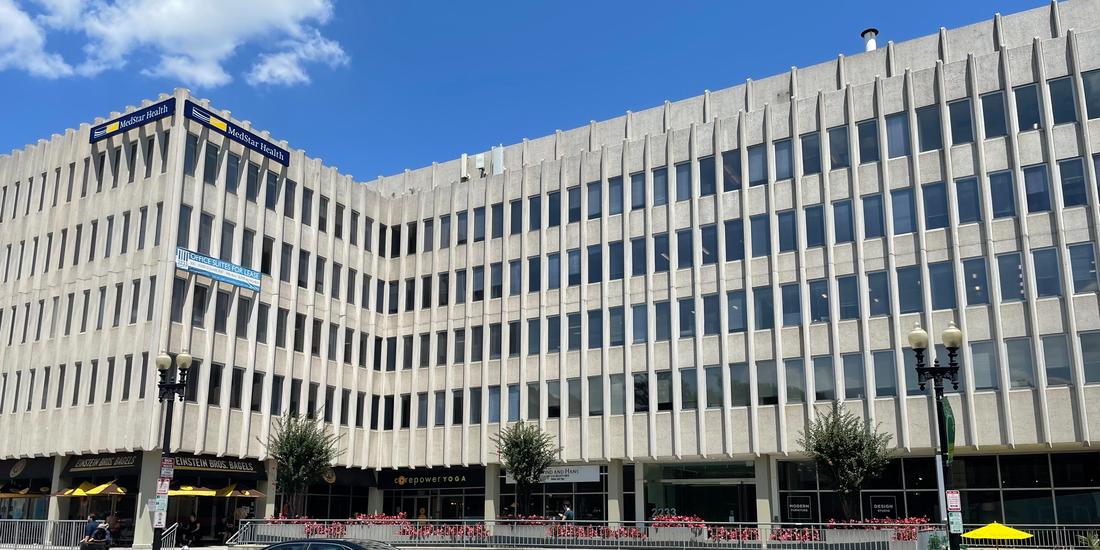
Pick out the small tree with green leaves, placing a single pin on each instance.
(525, 452)
(848, 449)
(302, 450)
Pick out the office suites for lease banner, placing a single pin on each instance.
(216, 269)
(236, 133)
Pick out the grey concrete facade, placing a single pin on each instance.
(88, 234)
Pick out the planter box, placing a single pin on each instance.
(678, 534)
(382, 532)
(281, 531)
(521, 531)
(858, 535)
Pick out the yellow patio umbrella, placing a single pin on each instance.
(105, 489)
(997, 531)
(190, 491)
(232, 491)
(79, 491)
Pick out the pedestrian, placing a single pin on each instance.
(90, 527)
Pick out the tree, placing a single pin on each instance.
(525, 452)
(302, 451)
(848, 449)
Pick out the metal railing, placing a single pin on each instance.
(1042, 536)
(16, 534)
(407, 533)
(168, 537)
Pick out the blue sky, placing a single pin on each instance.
(376, 87)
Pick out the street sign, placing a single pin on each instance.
(955, 522)
(161, 504)
(159, 519)
(167, 467)
(162, 486)
(954, 503)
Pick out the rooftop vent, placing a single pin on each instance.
(869, 34)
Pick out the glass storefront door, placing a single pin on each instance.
(712, 501)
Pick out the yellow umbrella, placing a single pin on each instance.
(80, 491)
(997, 531)
(189, 491)
(232, 491)
(105, 489)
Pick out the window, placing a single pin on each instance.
(190, 152)
(974, 278)
(842, 221)
(479, 224)
(683, 249)
(811, 153)
(873, 224)
(1090, 354)
(660, 253)
(815, 225)
(909, 289)
(683, 181)
(792, 307)
(463, 227)
(935, 205)
(962, 126)
(307, 206)
(897, 135)
(983, 365)
(885, 374)
(1021, 371)
(993, 115)
(838, 147)
(478, 284)
(1056, 358)
(637, 191)
(595, 264)
(497, 213)
(819, 301)
(1072, 173)
(761, 235)
(1083, 266)
(788, 231)
(1035, 186)
(784, 163)
(444, 232)
(928, 128)
(735, 311)
(735, 240)
(853, 376)
(662, 314)
(968, 200)
(942, 277)
(1047, 279)
(1010, 276)
(574, 204)
(595, 200)
(731, 170)
(764, 308)
(767, 383)
(758, 165)
(824, 378)
(1003, 193)
(707, 177)
(534, 212)
(553, 209)
(904, 211)
(660, 186)
(848, 291)
(515, 281)
(868, 141)
(534, 272)
(1027, 107)
(708, 244)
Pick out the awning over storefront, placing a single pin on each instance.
(236, 468)
(350, 476)
(432, 478)
(115, 465)
(26, 468)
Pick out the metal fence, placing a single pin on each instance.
(402, 533)
(1042, 536)
(168, 537)
(16, 534)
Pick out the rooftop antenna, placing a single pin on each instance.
(869, 34)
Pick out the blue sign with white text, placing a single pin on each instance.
(236, 133)
(149, 114)
(216, 269)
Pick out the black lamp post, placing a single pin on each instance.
(169, 389)
(952, 340)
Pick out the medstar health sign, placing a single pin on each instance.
(149, 114)
(236, 133)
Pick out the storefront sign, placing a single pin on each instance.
(236, 133)
(229, 467)
(137, 118)
(884, 506)
(219, 270)
(432, 478)
(799, 508)
(564, 474)
(114, 464)
(26, 468)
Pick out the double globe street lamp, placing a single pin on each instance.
(170, 388)
(952, 340)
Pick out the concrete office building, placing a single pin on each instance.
(672, 293)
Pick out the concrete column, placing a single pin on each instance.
(639, 492)
(58, 507)
(265, 506)
(765, 486)
(147, 489)
(615, 492)
(374, 500)
(492, 491)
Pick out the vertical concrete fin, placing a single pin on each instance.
(748, 96)
(557, 144)
(891, 61)
(592, 136)
(667, 116)
(1055, 19)
(841, 72)
(628, 128)
(998, 33)
(944, 52)
(793, 83)
(706, 105)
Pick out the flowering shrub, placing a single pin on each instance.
(382, 519)
(733, 533)
(794, 534)
(334, 530)
(518, 519)
(905, 529)
(573, 531)
(462, 531)
(669, 520)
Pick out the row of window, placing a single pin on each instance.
(26, 253)
(25, 194)
(33, 388)
(80, 305)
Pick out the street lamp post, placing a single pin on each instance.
(169, 389)
(952, 339)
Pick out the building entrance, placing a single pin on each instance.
(718, 492)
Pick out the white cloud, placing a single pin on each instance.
(286, 67)
(190, 40)
(22, 45)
